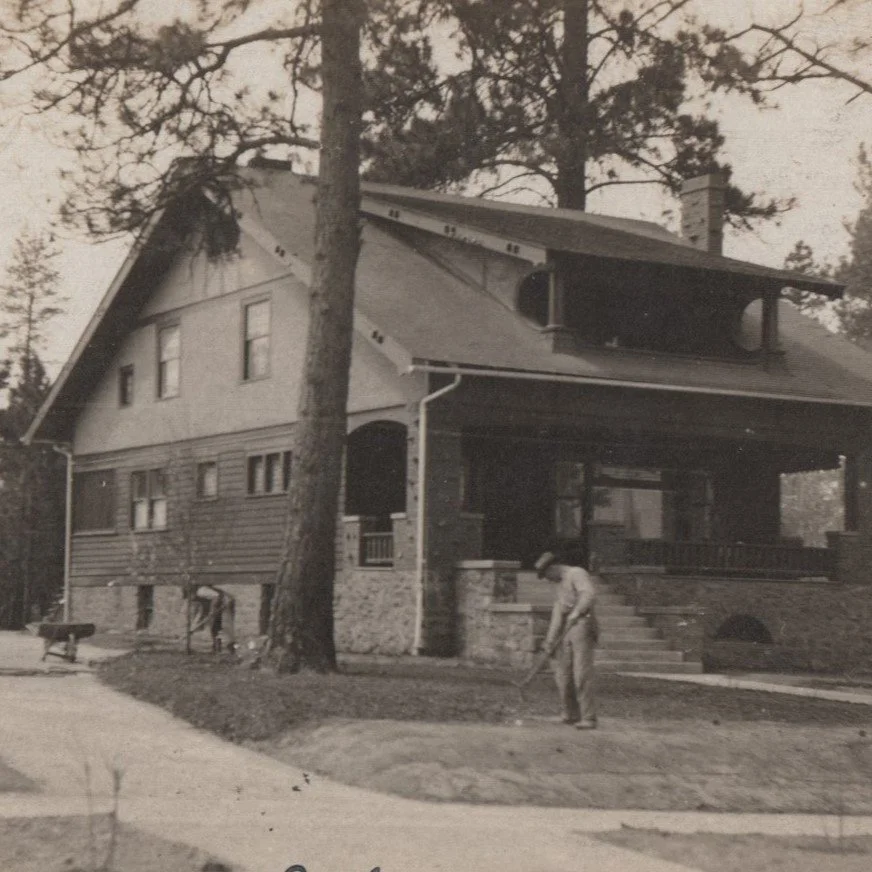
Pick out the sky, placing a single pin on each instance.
(803, 148)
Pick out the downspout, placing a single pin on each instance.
(68, 532)
(421, 553)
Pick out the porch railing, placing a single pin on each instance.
(789, 561)
(377, 549)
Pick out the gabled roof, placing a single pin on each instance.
(600, 236)
(432, 315)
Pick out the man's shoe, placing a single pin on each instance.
(571, 721)
(586, 725)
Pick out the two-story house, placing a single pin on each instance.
(520, 376)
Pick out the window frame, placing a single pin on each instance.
(198, 479)
(126, 385)
(257, 485)
(150, 476)
(76, 496)
(246, 341)
(160, 374)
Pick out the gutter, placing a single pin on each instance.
(528, 375)
(68, 530)
(421, 553)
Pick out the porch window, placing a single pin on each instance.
(633, 497)
(169, 360)
(256, 340)
(269, 473)
(94, 500)
(568, 522)
(148, 500)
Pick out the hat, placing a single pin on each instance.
(542, 564)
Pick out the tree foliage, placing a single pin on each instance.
(31, 477)
(563, 96)
(855, 309)
(793, 50)
(566, 96)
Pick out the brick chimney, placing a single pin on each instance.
(702, 211)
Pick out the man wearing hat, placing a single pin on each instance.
(573, 616)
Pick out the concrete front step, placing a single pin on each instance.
(609, 643)
(628, 643)
(616, 621)
(684, 668)
(633, 655)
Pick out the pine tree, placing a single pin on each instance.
(855, 310)
(32, 477)
(563, 97)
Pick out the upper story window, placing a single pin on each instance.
(207, 479)
(256, 340)
(125, 385)
(148, 500)
(269, 473)
(169, 361)
(94, 500)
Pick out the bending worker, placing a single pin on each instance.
(572, 617)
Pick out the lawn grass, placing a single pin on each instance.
(242, 704)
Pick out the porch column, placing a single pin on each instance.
(443, 528)
(858, 492)
(853, 548)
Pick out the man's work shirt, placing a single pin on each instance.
(574, 596)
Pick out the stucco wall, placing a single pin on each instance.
(207, 301)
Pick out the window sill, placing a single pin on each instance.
(109, 531)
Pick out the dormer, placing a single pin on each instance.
(653, 292)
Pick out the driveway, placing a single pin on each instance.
(68, 733)
(189, 786)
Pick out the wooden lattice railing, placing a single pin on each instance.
(377, 549)
(731, 558)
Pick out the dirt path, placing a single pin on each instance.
(666, 765)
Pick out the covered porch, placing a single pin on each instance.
(681, 483)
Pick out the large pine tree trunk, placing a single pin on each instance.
(574, 116)
(301, 629)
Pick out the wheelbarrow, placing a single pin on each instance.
(64, 637)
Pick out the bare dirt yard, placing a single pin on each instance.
(459, 734)
(81, 844)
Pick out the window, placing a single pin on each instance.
(144, 606)
(207, 479)
(269, 473)
(94, 500)
(169, 353)
(125, 385)
(255, 354)
(148, 500)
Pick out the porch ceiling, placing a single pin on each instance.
(651, 450)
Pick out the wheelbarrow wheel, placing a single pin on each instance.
(71, 647)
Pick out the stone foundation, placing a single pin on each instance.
(374, 611)
(817, 626)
